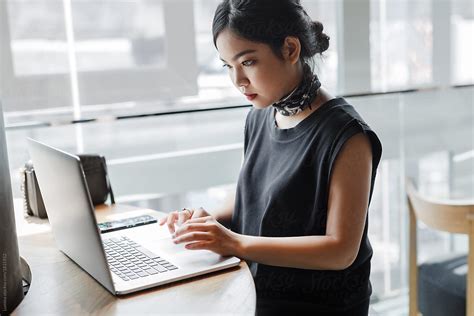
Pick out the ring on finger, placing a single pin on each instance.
(188, 210)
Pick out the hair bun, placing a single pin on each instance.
(321, 38)
(317, 27)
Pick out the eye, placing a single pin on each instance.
(226, 66)
(248, 63)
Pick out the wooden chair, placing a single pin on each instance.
(448, 216)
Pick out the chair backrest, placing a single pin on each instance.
(449, 216)
(444, 215)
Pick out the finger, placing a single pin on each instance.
(181, 218)
(171, 220)
(203, 227)
(193, 236)
(198, 245)
(185, 215)
(199, 219)
(162, 220)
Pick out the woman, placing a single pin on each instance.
(299, 217)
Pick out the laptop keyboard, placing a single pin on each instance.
(130, 261)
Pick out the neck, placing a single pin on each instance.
(297, 77)
(284, 122)
(302, 96)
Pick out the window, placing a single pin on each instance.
(462, 32)
(401, 44)
(63, 55)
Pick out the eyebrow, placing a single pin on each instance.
(242, 53)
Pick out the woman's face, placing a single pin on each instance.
(255, 69)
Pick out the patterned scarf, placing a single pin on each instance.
(303, 95)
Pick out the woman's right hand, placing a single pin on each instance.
(180, 217)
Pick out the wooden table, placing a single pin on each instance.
(59, 286)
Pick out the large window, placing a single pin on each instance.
(80, 57)
(64, 60)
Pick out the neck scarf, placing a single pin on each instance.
(302, 96)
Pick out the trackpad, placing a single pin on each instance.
(158, 240)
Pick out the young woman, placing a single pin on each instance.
(299, 216)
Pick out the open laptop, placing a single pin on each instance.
(123, 261)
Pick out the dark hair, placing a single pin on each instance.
(270, 22)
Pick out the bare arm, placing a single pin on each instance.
(347, 209)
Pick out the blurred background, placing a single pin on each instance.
(140, 82)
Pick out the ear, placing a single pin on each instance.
(291, 49)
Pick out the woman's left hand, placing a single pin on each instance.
(207, 233)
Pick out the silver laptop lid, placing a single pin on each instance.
(70, 211)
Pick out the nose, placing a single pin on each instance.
(240, 80)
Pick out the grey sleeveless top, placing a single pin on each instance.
(282, 191)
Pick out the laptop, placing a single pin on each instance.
(123, 261)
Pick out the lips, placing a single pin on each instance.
(250, 96)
